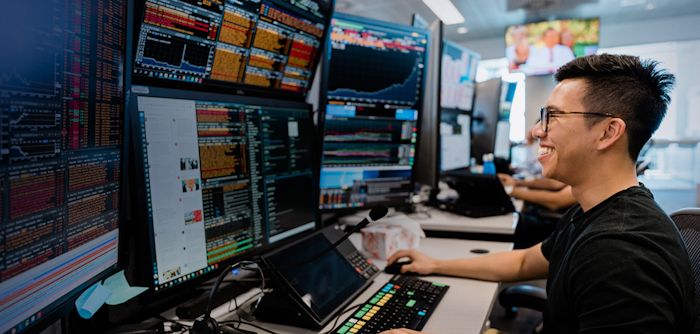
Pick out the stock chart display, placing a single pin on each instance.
(61, 133)
(375, 64)
(269, 43)
(230, 178)
(370, 131)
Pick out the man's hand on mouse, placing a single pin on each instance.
(421, 263)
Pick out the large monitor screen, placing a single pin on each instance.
(458, 76)
(61, 154)
(543, 47)
(272, 44)
(224, 177)
(374, 90)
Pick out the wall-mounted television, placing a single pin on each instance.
(543, 47)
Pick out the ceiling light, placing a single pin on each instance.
(649, 6)
(445, 10)
(462, 30)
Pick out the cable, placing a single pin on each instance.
(184, 326)
(341, 314)
(207, 313)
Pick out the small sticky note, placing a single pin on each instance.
(91, 300)
(121, 290)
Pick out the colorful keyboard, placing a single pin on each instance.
(404, 302)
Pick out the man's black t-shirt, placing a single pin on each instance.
(620, 267)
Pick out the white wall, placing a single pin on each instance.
(537, 91)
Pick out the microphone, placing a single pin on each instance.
(208, 325)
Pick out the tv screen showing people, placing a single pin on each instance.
(543, 47)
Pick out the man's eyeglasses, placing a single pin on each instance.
(545, 114)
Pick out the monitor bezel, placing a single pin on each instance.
(143, 227)
(323, 100)
(224, 87)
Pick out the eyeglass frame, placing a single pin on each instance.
(545, 125)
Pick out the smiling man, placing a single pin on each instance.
(616, 262)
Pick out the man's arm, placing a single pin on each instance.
(517, 265)
(553, 200)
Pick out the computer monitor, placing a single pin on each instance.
(502, 145)
(485, 117)
(418, 21)
(230, 46)
(458, 77)
(373, 97)
(455, 141)
(507, 96)
(223, 177)
(62, 157)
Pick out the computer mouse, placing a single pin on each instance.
(395, 268)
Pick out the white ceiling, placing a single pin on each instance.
(489, 18)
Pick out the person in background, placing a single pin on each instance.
(616, 262)
(552, 54)
(546, 200)
(522, 52)
(567, 39)
(531, 168)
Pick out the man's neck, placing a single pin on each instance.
(603, 184)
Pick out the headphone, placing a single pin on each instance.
(207, 324)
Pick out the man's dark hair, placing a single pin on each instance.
(632, 89)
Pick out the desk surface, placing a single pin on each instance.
(434, 219)
(464, 309)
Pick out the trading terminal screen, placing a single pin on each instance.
(457, 77)
(374, 88)
(268, 43)
(61, 139)
(455, 140)
(222, 178)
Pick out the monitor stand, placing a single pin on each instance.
(277, 308)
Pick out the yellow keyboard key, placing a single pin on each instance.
(353, 330)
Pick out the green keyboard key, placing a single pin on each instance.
(380, 294)
(374, 300)
(344, 329)
(438, 284)
(360, 314)
(411, 303)
(410, 293)
(392, 292)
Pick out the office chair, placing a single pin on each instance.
(688, 223)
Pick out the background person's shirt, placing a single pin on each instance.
(621, 267)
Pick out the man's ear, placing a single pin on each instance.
(613, 132)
